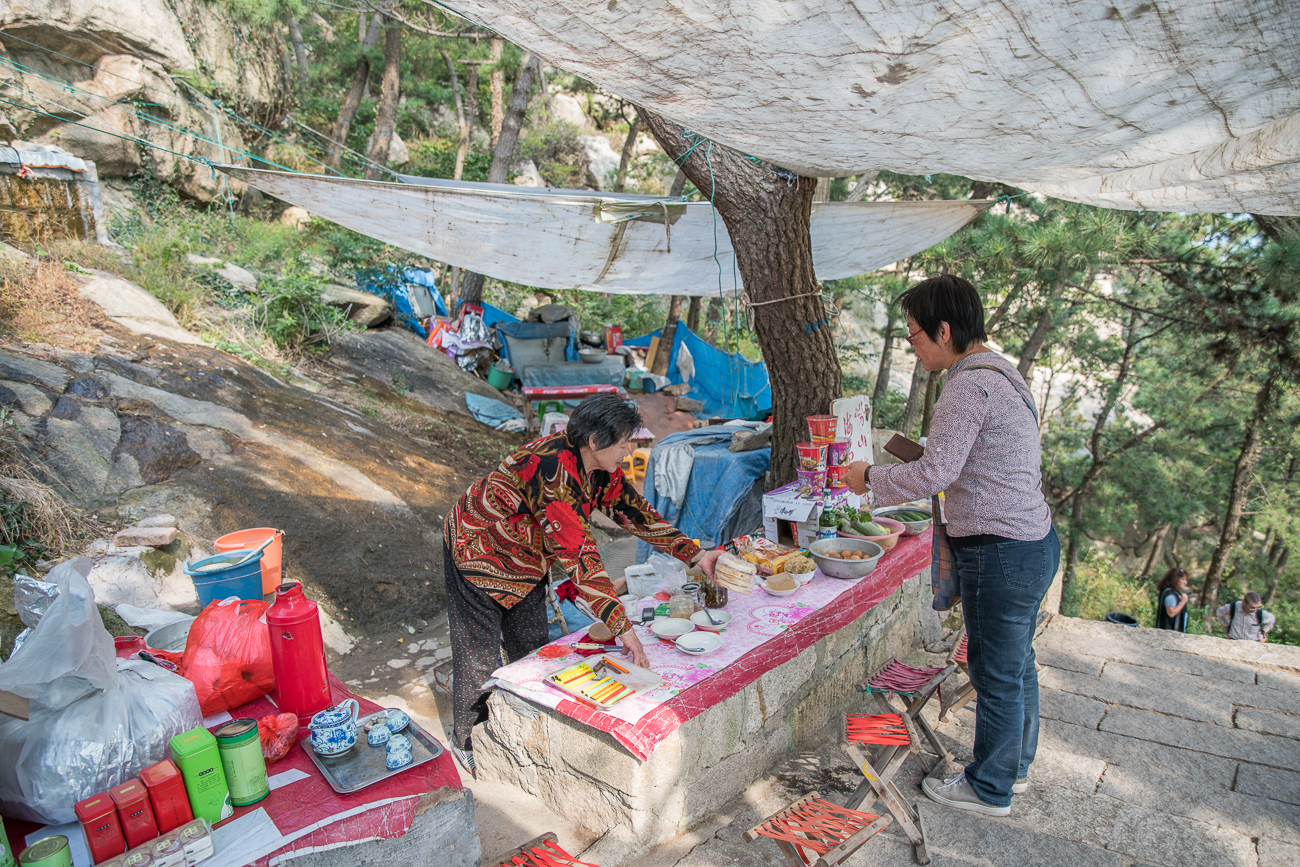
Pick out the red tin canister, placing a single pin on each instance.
(133, 808)
(98, 816)
(166, 787)
(297, 653)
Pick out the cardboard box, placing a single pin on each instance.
(789, 519)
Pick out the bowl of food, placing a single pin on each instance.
(701, 620)
(915, 520)
(800, 568)
(780, 584)
(699, 643)
(846, 558)
(886, 540)
(670, 629)
(592, 356)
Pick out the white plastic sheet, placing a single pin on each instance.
(1164, 106)
(565, 239)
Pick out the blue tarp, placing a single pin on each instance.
(729, 384)
(491, 412)
(725, 496)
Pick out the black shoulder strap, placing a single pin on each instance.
(1022, 391)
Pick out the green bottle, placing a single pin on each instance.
(6, 856)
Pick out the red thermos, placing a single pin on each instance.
(297, 653)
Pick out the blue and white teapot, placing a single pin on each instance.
(334, 730)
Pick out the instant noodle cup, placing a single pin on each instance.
(837, 477)
(812, 456)
(837, 453)
(821, 428)
(811, 483)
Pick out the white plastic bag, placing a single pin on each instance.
(64, 755)
(672, 572)
(69, 652)
(92, 726)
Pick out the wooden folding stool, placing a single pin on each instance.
(542, 851)
(812, 826)
(966, 692)
(894, 734)
(915, 687)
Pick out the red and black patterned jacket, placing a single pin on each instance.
(510, 526)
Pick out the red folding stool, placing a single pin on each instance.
(813, 832)
(894, 738)
(966, 692)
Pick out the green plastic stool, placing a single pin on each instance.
(545, 406)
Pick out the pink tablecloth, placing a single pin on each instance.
(765, 632)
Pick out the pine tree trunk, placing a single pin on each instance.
(679, 184)
(886, 362)
(462, 123)
(1034, 345)
(915, 400)
(768, 213)
(386, 116)
(1072, 544)
(1251, 446)
(629, 147)
(497, 82)
(360, 79)
(299, 49)
(503, 155)
(931, 395)
(693, 314)
(1157, 545)
(666, 336)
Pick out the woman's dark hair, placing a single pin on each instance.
(607, 417)
(946, 299)
(1170, 579)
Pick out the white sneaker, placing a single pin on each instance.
(1020, 786)
(956, 792)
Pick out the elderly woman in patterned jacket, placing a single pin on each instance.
(504, 533)
(983, 451)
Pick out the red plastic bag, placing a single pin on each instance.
(228, 655)
(278, 732)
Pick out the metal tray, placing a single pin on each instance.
(363, 765)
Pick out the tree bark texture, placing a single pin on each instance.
(767, 213)
(386, 115)
(299, 49)
(503, 155)
(679, 184)
(693, 314)
(666, 335)
(931, 395)
(1039, 336)
(1251, 446)
(360, 78)
(915, 400)
(629, 147)
(497, 83)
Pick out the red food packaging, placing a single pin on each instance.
(138, 825)
(98, 816)
(166, 787)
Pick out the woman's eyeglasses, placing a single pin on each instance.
(911, 337)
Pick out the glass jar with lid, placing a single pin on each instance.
(681, 605)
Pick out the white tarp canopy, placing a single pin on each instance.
(565, 239)
(1184, 106)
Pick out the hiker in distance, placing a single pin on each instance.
(1246, 620)
(1171, 601)
(1000, 551)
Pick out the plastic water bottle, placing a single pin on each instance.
(297, 653)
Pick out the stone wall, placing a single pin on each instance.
(587, 775)
(50, 204)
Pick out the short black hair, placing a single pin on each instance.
(950, 299)
(608, 417)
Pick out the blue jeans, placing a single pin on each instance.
(1002, 585)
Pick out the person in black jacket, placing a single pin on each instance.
(1171, 601)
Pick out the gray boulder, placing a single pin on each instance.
(368, 311)
(134, 308)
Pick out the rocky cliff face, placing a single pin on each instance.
(165, 60)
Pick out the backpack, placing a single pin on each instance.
(1232, 614)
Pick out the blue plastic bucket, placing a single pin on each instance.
(244, 580)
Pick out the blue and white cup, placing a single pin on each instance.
(396, 720)
(378, 735)
(394, 759)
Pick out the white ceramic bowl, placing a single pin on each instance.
(699, 643)
(701, 620)
(772, 592)
(671, 628)
(802, 577)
